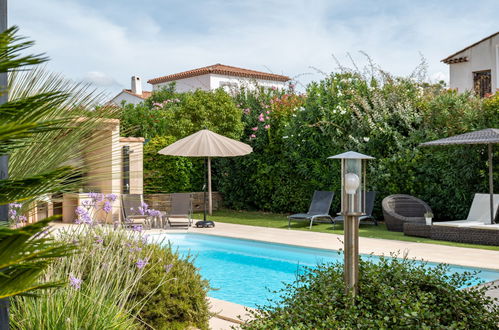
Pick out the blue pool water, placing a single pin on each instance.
(244, 271)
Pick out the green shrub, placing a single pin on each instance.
(393, 294)
(177, 303)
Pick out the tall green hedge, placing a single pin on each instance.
(378, 115)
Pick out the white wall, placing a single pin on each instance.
(214, 81)
(128, 98)
(188, 84)
(484, 56)
(218, 80)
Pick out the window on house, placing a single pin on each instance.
(482, 82)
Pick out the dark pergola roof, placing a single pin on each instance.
(485, 136)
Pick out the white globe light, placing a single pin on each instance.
(352, 182)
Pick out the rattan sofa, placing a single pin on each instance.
(399, 209)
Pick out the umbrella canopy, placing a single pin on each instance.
(487, 136)
(206, 143)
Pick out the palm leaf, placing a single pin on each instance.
(25, 253)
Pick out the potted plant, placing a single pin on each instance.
(428, 217)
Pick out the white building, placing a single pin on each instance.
(476, 67)
(219, 75)
(135, 95)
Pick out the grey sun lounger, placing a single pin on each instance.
(479, 214)
(180, 214)
(131, 216)
(370, 197)
(319, 209)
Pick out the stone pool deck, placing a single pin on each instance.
(422, 251)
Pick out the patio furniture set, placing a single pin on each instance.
(134, 212)
(406, 214)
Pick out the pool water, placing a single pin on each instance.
(243, 271)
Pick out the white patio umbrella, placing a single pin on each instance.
(207, 144)
(487, 136)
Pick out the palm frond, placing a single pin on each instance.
(25, 253)
(29, 188)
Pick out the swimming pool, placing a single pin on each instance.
(244, 271)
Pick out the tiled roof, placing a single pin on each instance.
(145, 94)
(223, 70)
(449, 59)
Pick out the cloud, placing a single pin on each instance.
(113, 40)
(99, 79)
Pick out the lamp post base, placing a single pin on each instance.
(351, 266)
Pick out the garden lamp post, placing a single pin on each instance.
(353, 205)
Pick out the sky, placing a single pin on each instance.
(105, 42)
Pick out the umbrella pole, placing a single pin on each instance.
(209, 187)
(204, 192)
(491, 186)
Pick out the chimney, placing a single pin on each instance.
(136, 85)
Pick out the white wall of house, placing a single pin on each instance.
(484, 56)
(127, 97)
(188, 84)
(214, 81)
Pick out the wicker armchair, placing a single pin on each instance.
(400, 209)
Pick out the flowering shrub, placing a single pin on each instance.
(377, 114)
(16, 217)
(106, 282)
(95, 209)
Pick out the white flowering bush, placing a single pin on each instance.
(371, 112)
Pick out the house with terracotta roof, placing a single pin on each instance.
(134, 95)
(476, 67)
(219, 76)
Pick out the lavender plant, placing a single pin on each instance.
(101, 280)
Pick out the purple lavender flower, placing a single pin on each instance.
(75, 282)
(168, 268)
(87, 203)
(141, 263)
(145, 238)
(137, 228)
(99, 240)
(23, 218)
(154, 213)
(96, 197)
(107, 207)
(12, 213)
(83, 216)
(111, 197)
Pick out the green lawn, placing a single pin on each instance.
(263, 219)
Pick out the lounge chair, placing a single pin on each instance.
(370, 197)
(130, 210)
(319, 209)
(398, 209)
(479, 214)
(180, 214)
